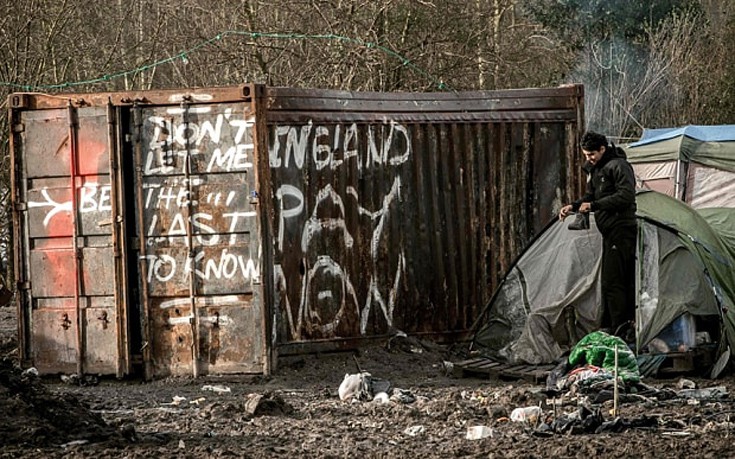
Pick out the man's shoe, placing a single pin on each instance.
(580, 222)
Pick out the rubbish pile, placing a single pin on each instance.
(593, 365)
(584, 392)
(364, 387)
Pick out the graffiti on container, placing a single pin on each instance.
(171, 137)
(328, 291)
(225, 144)
(92, 198)
(173, 188)
(216, 319)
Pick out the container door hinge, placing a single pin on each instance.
(19, 101)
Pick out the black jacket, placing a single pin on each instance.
(611, 191)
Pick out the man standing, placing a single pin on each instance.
(611, 196)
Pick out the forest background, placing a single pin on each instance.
(644, 64)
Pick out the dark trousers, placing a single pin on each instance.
(618, 277)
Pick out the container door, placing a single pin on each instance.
(71, 317)
(199, 240)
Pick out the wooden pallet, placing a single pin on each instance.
(697, 359)
(483, 366)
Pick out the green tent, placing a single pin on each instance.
(550, 298)
(722, 220)
(695, 164)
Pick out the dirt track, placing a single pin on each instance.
(301, 415)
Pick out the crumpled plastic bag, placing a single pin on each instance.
(358, 386)
(364, 387)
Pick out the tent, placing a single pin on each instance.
(695, 164)
(550, 297)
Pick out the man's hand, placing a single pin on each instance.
(585, 208)
(565, 211)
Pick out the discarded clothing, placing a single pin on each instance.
(588, 372)
(556, 380)
(598, 348)
(709, 393)
(584, 420)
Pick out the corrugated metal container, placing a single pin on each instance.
(403, 210)
(212, 229)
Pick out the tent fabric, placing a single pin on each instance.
(712, 147)
(722, 220)
(698, 185)
(709, 187)
(719, 155)
(550, 297)
(656, 170)
(671, 282)
(559, 272)
(709, 243)
(718, 133)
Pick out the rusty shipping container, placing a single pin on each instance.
(207, 231)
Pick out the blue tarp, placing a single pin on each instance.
(711, 146)
(719, 133)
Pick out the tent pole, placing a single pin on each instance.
(615, 385)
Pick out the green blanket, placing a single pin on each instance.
(598, 348)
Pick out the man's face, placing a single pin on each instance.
(593, 156)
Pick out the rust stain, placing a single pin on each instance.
(259, 218)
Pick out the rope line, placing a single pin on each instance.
(184, 55)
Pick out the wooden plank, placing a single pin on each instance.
(526, 372)
(516, 368)
(488, 365)
(482, 366)
(492, 368)
(475, 371)
(468, 362)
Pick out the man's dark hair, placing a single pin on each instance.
(592, 141)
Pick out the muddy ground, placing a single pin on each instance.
(298, 413)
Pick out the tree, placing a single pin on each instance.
(579, 22)
(663, 64)
(643, 64)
